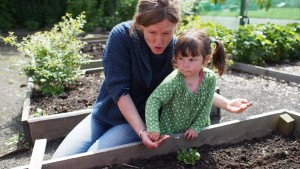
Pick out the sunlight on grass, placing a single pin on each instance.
(272, 13)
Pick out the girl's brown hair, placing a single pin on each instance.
(150, 12)
(196, 43)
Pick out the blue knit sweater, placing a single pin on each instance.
(130, 67)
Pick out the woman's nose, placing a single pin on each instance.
(159, 40)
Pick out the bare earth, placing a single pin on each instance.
(267, 94)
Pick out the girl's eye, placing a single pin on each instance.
(192, 59)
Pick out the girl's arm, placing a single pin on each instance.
(130, 113)
(233, 106)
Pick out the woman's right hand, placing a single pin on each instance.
(153, 144)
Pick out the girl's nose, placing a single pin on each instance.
(185, 63)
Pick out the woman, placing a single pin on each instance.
(136, 59)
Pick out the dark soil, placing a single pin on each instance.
(274, 151)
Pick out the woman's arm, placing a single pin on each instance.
(233, 106)
(130, 113)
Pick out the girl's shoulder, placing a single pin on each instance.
(172, 78)
(209, 74)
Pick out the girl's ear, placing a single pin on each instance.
(206, 59)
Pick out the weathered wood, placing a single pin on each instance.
(55, 126)
(285, 124)
(228, 132)
(266, 72)
(37, 156)
(91, 64)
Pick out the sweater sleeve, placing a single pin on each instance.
(203, 118)
(116, 61)
(159, 97)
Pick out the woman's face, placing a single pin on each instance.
(159, 35)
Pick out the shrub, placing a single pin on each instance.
(214, 30)
(53, 57)
(266, 43)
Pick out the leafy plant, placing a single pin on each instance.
(214, 30)
(18, 140)
(266, 43)
(53, 57)
(190, 156)
(39, 112)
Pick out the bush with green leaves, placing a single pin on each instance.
(104, 13)
(266, 43)
(53, 57)
(214, 30)
(188, 156)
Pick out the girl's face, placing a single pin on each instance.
(190, 66)
(159, 35)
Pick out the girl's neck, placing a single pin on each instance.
(193, 82)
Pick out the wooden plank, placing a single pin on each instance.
(296, 116)
(91, 64)
(55, 126)
(266, 72)
(229, 132)
(25, 112)
(38, 154)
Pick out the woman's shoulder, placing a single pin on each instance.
(121, 29)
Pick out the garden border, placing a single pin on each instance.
(228, 132)
(265, 72)
(53, 126)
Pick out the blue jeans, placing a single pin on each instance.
(91, 135)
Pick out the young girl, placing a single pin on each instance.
(185, 96)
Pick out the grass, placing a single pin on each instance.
(272, 13)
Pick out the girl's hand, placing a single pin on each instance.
(153, 144)
(154, 136)
(190, 134)
(237, 105)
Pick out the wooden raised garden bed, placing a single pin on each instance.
(50, 126)
(266, 72)
(228, 132)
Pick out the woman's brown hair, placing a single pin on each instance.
(196, 43)
(150, 12)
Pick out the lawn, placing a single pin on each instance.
(273, 13)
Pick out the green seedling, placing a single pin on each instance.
(39, 112)
(190, 156)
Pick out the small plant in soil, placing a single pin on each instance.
(188, 156)
(53, 58)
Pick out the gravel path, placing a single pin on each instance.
(267, 94)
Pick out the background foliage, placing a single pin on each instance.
(40, 14)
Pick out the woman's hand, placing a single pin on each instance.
(190, 134)
(153, 144)
(237, 105)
